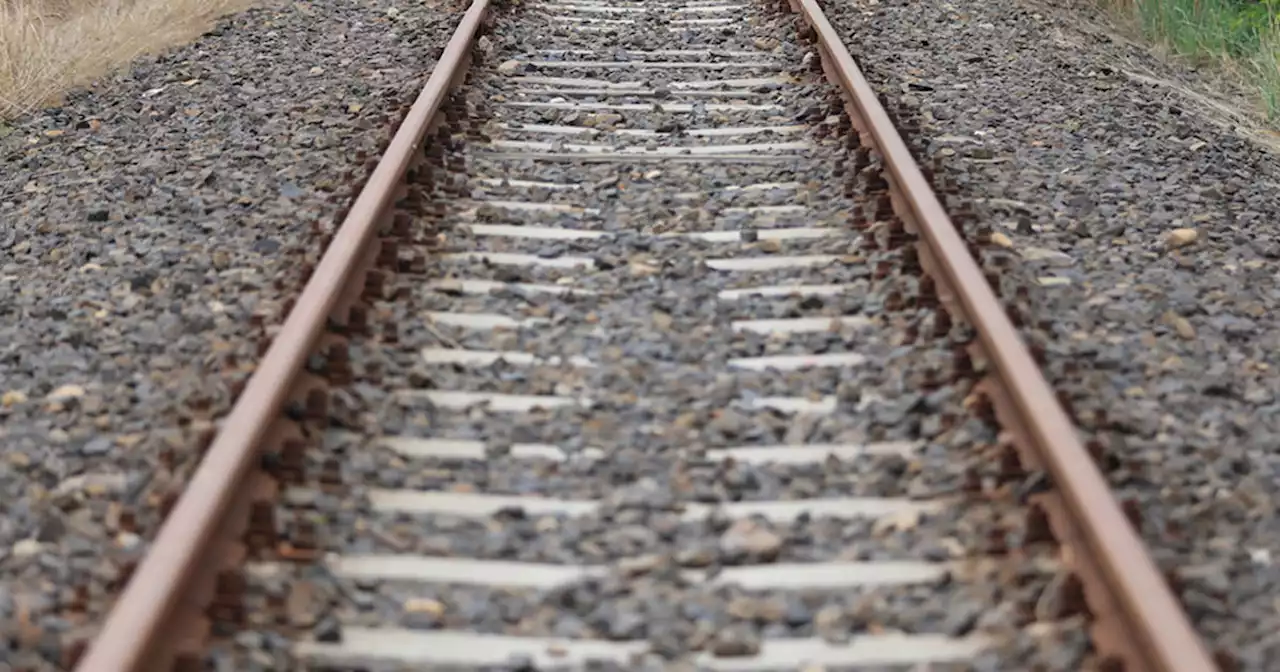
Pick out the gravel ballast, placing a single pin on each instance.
(1147, 240)
(149, 228)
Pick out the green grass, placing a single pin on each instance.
(1242, 35)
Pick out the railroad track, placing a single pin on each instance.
(647, 346)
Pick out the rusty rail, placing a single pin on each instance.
(161, 612)
(1151, 631)
(160, 608)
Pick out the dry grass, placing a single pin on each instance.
(50, 46)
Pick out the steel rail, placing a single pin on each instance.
(1167, 638)
(128, 640)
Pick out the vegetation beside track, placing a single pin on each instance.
(1239, 37)
(50, 46)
